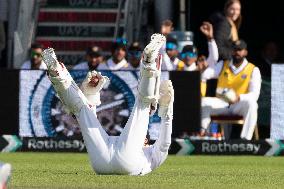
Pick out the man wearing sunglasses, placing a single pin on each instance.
(189, 54)
(117, 61)
(134, 56)
(35, 62)
(94, 58)
(238, 86)
(170, 59)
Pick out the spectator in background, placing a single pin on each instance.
(35, 62)
(269, 54)
(166, 27)
(170, 59)
(117, 61)
(94, 58)
(189, 57)
(244, 81)
(134, 56)
(226, 26)
(189, 53)
(3, 29)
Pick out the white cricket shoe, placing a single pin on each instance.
(5, 174)
(151, 51)
(49, 58)
(92, 85)
(166, 99)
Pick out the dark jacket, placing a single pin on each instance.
(222, 35)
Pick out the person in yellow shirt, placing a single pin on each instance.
(239, 83)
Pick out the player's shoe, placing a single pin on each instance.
(166, 99)
(150, 71)
(151, 51)
(5, 174)
(54, 67)
(92, 85)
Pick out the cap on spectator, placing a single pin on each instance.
(135, 46)
(171, 44)
(189, 51)
(239, 45)
(94, 51)
(119, 43)
(189, 48)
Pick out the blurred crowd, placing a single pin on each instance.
(225, 48)
(125, 56)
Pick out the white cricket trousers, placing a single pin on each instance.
(216, 106)
(108, 154)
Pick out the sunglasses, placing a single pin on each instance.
(33, 54)
(171, 46)
(188, 54)
(121, 40)
(136, 54)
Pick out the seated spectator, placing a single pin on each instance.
(117, 61)
(94, 58)
(35, 62)
(189, 53)
(170, 58)
(189, 57)
(239, 84)
(134, 56)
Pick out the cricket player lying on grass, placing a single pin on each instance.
(125, 154)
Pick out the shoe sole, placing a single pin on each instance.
(157, 41)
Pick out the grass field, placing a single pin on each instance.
(71, 170)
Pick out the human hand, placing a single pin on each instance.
(207, 29)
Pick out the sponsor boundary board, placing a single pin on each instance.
(268, 147)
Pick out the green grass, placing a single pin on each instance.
(72, 170)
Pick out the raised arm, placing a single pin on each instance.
(207, 29)
(161, 146)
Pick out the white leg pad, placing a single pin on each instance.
(148, 84)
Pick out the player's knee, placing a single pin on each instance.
(249, 104)
(206, 102)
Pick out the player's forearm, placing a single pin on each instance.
(164, 141)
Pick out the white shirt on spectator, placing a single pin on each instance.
(27, 65)
(81, 66)
(168, 64)
(110, 65)
(192, 67)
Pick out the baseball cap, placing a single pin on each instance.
(171, 44)
(94, 51)
(119, 43)
(189, 50)
(239, 45)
